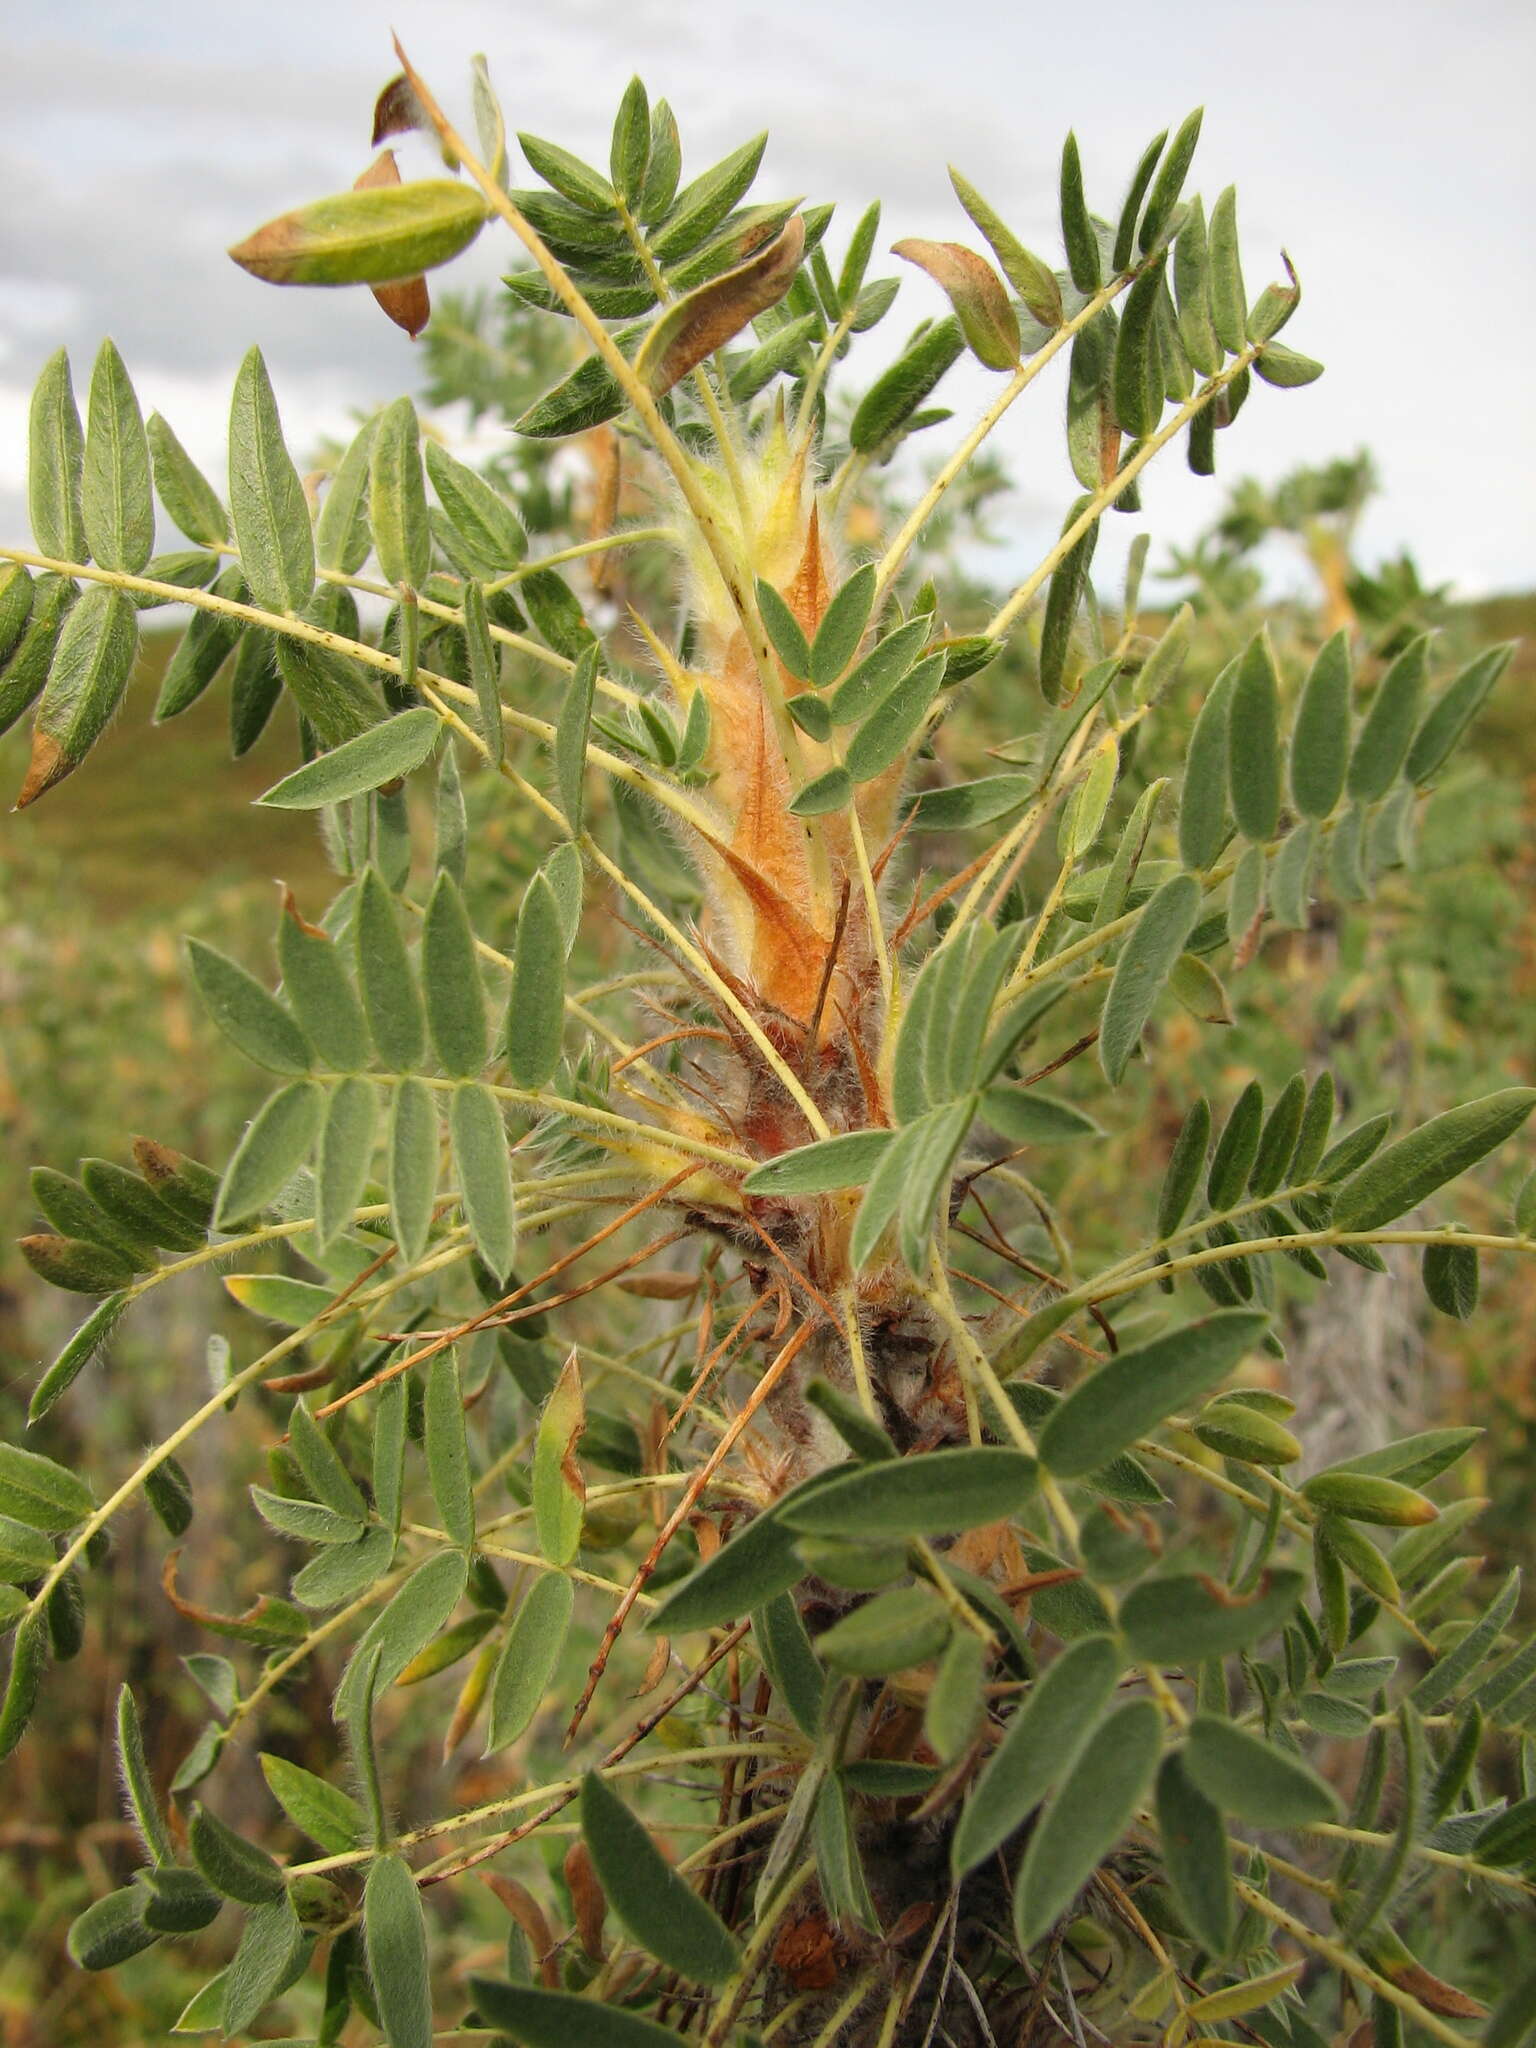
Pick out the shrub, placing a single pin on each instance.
(668, 1285)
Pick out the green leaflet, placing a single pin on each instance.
(878, 673)
(316, 984)
(40, 1493)
(789, 1660)
(1280, 1136)
(1286, 368)
(1146, 960)
(324, 1473)
(72, 1360)
(1198, 1860)
(342, 539)
(484, 674)
(955, 1700)
(234, 1867)
(559, 2019)
(1320, 744)
(77, 1266)
(1290, 880)
(1179, 1620)
(339, 1572)
(1034, 282)
(413, 1161)
(201, 652)
(758, 1563)
(784, 631)
(450, 974)
(1381, 746)
(184, 491)
(660, 1909)
(1186, 1163)
(116, 504)
(420, 1608)
(1451, 1278)
(1130, 212)
(484, 1168)
(110, 1930)
(1137, 380)
(1077, 231)
(1063, 599)
(842, 628)
(630, 148)
(1043, 1739)
(1445, 1678)
(56, 450)
(1203, 799)
(587, 398)
(329, 1816)
(390, 995)
(529, 1657)
(1170, 179)
(1236, 1149)
(448, 1449)
(892, 1632)
(1452, 712)
(1229, 301)
(266, 499)
(572, 732)
(960, 805)
(1140, 1387)
(559, 1488)
(305, 1520)
(277, 1298)
(934, 1494)
(1087, 1816)
(29, 1655)
(1254, 752)
(889, 729)
(896, 394)
(272, 1953)
(395, 1934)
(485, 524)
(275, 1146)
(87, 676)
(1410, 1170)
(24, 672)
(1031, 1116)
(536, 1004)
(845, 1161)
(382, 755)
(251, 1018)
(397, 498)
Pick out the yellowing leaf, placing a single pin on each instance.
(377, 236)
(559, 1490)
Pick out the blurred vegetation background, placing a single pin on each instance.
(1427, 999)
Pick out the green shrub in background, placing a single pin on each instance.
(666, 1316)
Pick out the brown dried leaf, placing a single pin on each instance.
(408, 303)
(977, 293)
(713, 314)
(587, 1899)
(529, 1915)
(1433, 1991)
(399, 111)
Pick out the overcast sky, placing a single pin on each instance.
(1387, 145)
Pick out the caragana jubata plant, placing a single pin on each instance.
(638, 1285)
